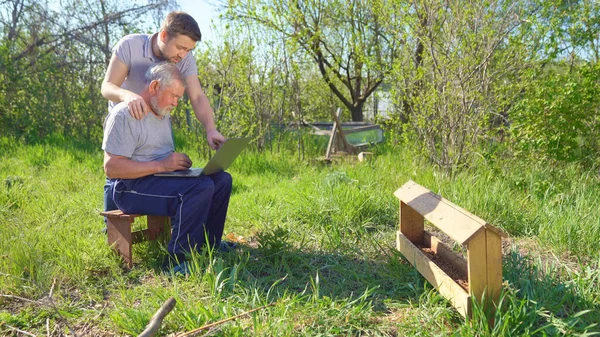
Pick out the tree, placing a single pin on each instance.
(352, 43)
(52, 56)
(456, 78)
(257, 87)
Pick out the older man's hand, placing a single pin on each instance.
(176, 161)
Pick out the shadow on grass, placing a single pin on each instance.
(337, 275)
(536, 302)
(334, 275)
(561, 302)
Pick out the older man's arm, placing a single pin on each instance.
(122, 167)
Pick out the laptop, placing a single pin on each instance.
(224, 156)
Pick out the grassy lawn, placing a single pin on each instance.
(318, 244)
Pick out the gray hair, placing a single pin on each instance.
(165, 73)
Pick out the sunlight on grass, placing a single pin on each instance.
(318, 243)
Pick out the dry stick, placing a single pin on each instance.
(61, 317)
(38, 302)
(208, 326)
(20, 298)
(20, 331)
(212, 330)
(52, 287)
(154, 325)
(13, 276)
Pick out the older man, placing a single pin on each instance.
(135, 149)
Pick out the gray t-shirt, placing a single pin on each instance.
(142, 140)
(135, 51)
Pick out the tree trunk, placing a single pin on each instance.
(357, 111)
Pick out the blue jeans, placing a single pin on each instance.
(197, 206)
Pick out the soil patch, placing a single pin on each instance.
(447, 267)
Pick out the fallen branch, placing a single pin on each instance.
(20, 298)
(20, 331)
(49, 299)
(211, 325)
(60, 316)
(155, 322)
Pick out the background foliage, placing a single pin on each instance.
(493, 104)
(463, 78)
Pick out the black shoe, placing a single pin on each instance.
(171, 261)
(227, 246)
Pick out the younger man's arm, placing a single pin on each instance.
(111, 88)
(203, 111)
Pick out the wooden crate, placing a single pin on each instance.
(483, 266)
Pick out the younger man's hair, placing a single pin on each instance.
(181, 23)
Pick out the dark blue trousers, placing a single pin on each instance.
(109, 203)
(197, 206)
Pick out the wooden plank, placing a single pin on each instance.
(158, 224)
(477, 265)
(411, 223)
(332, 135)
(494, 265)
(447, 287)
(459, 262)
(119, 237)
(341, 137)
(456, 222)
(362, 129)
(496, 230)
(321, 125)
(119, 214)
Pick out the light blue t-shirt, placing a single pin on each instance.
(142, 140)
(135, 51)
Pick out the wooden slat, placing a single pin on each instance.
(341, 136)
(333, 134)
(362, 129)
(496, 230)
(411, 223)
(119, 214)
(456, 222)
(447, 287)
(494, 265)
(477, 265)
(119, 237)
(459, 262)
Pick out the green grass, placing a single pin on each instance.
(321, 250)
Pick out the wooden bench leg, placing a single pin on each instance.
(157, 224)
(119, 237)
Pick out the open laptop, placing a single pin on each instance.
(217, 163)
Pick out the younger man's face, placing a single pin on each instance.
(175, 48)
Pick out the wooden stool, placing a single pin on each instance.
(121, 238)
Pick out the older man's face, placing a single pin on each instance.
(166, 98)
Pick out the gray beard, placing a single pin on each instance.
(154, 105)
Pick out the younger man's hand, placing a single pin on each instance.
(137, 106)
(215, 139)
